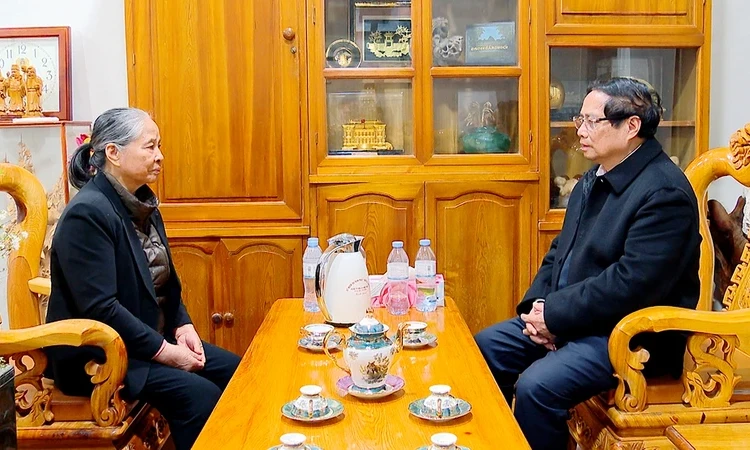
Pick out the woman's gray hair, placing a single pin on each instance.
(118, 126)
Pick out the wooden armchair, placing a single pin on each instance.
(715, 383)
(45, 417)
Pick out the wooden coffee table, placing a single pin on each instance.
(273, 369)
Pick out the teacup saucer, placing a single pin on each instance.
(422, 341)
(416, 408)
(393, 384)
(333, 344)
(334, 409)
(428, 447)
(315, 447)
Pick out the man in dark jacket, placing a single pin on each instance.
(630, 240)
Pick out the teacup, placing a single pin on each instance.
(315, 333)
(292, 441)
(310, 404)
(440, 402)
(443, 441)
(414, 331)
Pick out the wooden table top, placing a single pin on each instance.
(248, 416)
(710, 436)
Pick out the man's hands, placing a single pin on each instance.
(179, 357)
(187, 355)
(187, 337)
(536, 328)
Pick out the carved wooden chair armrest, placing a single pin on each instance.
(720, 329)
(106, 406)
(40, 286)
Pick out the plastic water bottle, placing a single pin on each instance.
(309, 262)
(425, 266)
(398, 280)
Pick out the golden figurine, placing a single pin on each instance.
(365, 135)
(2, 94)
(556, 94)
(15, 90)
(34, 85)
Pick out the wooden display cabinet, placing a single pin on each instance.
(457, 117)
(459, 146)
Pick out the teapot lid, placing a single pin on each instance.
(368, 325)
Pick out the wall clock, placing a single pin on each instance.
(47, 49)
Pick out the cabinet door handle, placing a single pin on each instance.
(216, 318)
(288, 34)
(228, 319)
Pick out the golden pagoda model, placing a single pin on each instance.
(365, 135)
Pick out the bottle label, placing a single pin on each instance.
(308, 270)
(425, 268)
(398, 271)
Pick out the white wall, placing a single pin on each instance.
(730, 96)
(97, 45)
(99, 79)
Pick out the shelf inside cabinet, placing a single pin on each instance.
(664, 123)
(475, 71)
(369, 73)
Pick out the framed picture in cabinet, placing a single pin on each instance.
(383, 33)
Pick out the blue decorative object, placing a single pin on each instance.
(485, 140)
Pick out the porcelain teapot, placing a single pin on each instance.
(368, 353)
(342, 283)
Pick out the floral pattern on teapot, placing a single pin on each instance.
(368, 354)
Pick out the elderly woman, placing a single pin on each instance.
(110, 261)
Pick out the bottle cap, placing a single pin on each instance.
(312, 242)
(424, 242)
(398, 244)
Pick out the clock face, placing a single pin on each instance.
(43, 54)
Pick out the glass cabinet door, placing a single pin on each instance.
(469, 55)
(369, 117)
(361, 33)
(369, 106)
(671, 73)
(475, 77)
(475, 115)
(474, 33)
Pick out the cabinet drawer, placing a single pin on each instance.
(624, 16)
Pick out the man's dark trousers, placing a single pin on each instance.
(547, 384)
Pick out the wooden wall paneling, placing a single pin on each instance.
(230, 118)
(545, 240)
(257, 271)
(484, 236)
(195, 263)
(627, 16)
(139, 58)
(382, 213)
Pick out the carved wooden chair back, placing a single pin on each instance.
(734, 162)
(23, 264)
